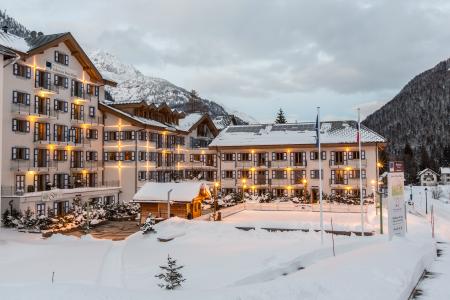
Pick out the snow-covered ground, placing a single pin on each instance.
(221, 262)
(437, 286)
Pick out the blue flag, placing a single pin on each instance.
(317, 131)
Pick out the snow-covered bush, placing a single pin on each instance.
(436, 192)
(171, 276)
(147, 227)
(10, 219)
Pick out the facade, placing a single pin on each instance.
(283, 159)
(51, 125)
(445, 175)
(144, 142)
(428, 177)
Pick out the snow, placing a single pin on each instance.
(445, 170)
(184, 191)
(13, 42)
(220, 262)
(190, 120)
(295, 133)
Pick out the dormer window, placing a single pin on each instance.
(61, 58)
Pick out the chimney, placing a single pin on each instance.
(33, 34)
(5, 28)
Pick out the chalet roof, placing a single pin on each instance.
(144, 102)
(189, 121)
(29, 46)
(332, 132)
(425, 170)
(184, 191)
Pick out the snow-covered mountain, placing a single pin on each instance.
(133, 85)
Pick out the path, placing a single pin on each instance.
(112, 230)
(111, 272)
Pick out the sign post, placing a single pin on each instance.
(396, 206)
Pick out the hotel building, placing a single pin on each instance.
(283, 159)
(51, 135)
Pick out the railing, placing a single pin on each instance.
(20, 165)
(92, 165)
(44, 165)
(279, 164)
(20, 108)
(49, 88)
(280, 181)
(351, 162)
(302, 164)
(244, 163)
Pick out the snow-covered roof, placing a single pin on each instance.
(333, 132)
(25, 45)
(425, 170)
(184, 191)
(190, 120)
(445, 170)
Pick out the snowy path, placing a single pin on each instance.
(111, 272)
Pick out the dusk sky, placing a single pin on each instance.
(256, 56)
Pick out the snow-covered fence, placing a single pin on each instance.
(225, 212)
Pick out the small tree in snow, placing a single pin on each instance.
(436, 192)
(281, 119)
(171, 276)
(148, 225)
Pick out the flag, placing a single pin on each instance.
(317, 131)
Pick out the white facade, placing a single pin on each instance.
(445, 175)
(428, 177)
(51, 128)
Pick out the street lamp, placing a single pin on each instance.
(305, 190)
(426, 201)
(168, 203)
(243, 188)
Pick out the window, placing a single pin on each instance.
(196, 158)
(60, 155)
(111, 136)
(41, 158)
(40, 209)
(279, 174)
(77, 112)
(20, 183)
(298, 158)
(111, 156)
(142, 175)
(91, 134)
(77, 89)
(76, 159)
(279, 156)
(228, 156)
(127, 135)
(60, 105)
(108, 200)
(354, 174)
(41, 105)
(61, 181)
(244, 156)
(22, 71)
(142, 156)
(76, 135)
(61, 81)
(245, 174)
(314, 174)
(21, 98)
(228, 174)
(20, 125)
(60, 133)
(128, 155)
(20, 153)
(91, 111)
(355, 155)
(42, 79)
(142, 135)
(313, 155)
(41, 131)
(61, 58)
(91, 155)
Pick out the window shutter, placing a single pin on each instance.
(239, 156)
(35, 158)
(345, 177)
(72, 88)
(285, 174)
(15, 100)
(133, 135)
(66, 82)
(332, 157)
(234, 174)
(284, 156)
(273, 173)
(291, 158)
(14, 153)
(27, 99)
(47, 106)
(350, 155)
(363, 174)
(56, 79)
(223, 156)
(96, 90)
(28, 72)
(16, 69)
(133, 155)
(27, 124)
(239, 174)
(82, 112)
(304, 158)
(56, 56)
(324, 155)
(48, 80)
(223, 174)
(345, 158)
(47, 131)
(72, 111)
(66, 59)
(14, 124)
(37, 78)
(27, 153)
(311, 155)
(363, 154)
(273, 155)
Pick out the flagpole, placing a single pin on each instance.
(320, 176)
(360, 173)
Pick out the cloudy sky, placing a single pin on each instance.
(258, 55)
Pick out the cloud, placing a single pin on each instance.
(296, 53)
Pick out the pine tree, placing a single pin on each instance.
(280, 117)
(193, 98)
(148, 225)
(410, 164)
(425, 161)
(171, 276)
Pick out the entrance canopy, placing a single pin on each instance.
(185, 191)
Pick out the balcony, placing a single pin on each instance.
(46, 88)
(280, 182)
(279, 164)
(92, 165)
(352, 163)
(44, 165)
(299, 164)
(20, 165)
(260, 180)
(245, 164)
(93, 121)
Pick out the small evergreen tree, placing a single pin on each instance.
(148, 225)
(171, 276)
(281, 119)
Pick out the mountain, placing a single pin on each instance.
(13, 26)
(133, 85)
(416, 121)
